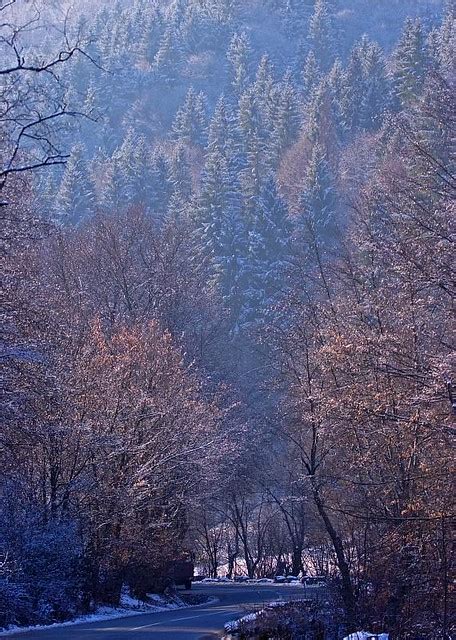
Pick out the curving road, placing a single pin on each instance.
(196, 623)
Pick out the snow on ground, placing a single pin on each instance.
(128, 607)
(231, 627)
(364, 635)
(235, 624)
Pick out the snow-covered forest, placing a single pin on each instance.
(228, 330)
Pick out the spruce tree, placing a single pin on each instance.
(167, 60)
(269, 251)
(264, 84)
(190, 123)
(75, 199)
(285, 121)
(318, 200)
(411, 62)
(160, 186)
(353, 100)
(311, 75)
(336, 87)
(239, 56)
(253, 136)
(321, 34)
(221, 233)
(223, 136)
(179, 175)
(377, 91)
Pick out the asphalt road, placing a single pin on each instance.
(196, 623)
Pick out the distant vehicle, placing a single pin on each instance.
(280, 579)
(180, 572)
(210, 580)
(241, 579)
(291, 579)
(198, 578)
(264, 580)
(314, 581)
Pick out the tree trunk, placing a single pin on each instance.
(348, 595)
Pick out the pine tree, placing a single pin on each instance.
(336, 87)
(127, 171)
(221, 233)
(75, 199)
(47, 187)
(311, 75)
(102, 174)
(176, 14)
(223, 136)
(296, 15)
(285, 121)
(318, 201)
(411, 62)
(377, 92)
(442, 43)
(239, 56)
(269, 251)
(352, 105)
(264, 84)
(159, 188)
(179, 175)
(190, 123)
(253, 138)
(323, 123)
(167, 60)
(150, 29)
(321, 34)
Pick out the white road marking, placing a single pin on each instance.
(167, 622)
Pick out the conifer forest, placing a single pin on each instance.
(228, 233)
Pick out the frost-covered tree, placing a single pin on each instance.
(285, 121)
(239, 56)
(353, 101)
(75, 199)
(310, 75)
(377, 96)
(221, 233)
(269, 241)
(167, 60)
(223, 138)
(295, 16)
(321, 34)
(179, 175)
(319, 198)
(160, 186)
(264, 84)
(411, 62)
(190, 123)
(253, 136)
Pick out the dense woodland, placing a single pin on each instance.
(228, 301)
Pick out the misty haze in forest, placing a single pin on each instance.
(228, 311)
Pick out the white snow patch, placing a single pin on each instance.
(235, 624)
(365, 635)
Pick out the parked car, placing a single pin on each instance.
(280, 579)
(264, 580)
(314, 581)
(241, 579)
(292, 579)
